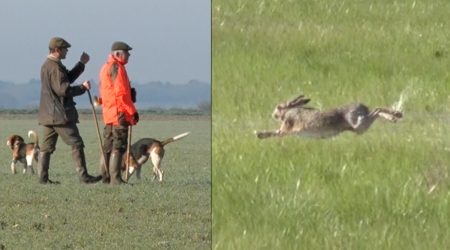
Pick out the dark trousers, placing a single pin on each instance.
(71, 136)
(115, 138)
(114, 145)
(68, 132)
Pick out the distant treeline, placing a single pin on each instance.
(154, 94)
(201, 110)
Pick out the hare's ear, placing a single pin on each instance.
(301, 100)
(294, 101)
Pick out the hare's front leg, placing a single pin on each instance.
(285, 128)
(267, 134)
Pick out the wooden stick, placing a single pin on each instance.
(98, 133)
(128, 153)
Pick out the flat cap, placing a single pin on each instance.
(120, 46)
(58, 42)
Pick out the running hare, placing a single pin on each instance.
(296, 119)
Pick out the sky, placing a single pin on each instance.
(171, 39)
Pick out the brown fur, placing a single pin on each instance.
(297, 119)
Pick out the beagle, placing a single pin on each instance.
(147, 148)
(23, 152)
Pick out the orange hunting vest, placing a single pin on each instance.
(115, 92)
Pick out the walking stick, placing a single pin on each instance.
(128, 153)
(98, 132)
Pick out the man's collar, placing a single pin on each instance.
(53, 58)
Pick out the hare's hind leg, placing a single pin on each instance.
(388, 114)
(363, 122)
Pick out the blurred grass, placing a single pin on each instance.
(175, 214)
(386, 189)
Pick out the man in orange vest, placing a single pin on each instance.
(119, 112)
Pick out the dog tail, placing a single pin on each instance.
(175, 138)
(33, 134)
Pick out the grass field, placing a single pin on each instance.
(147, 215)
(386, 189)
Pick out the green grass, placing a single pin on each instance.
(148, 215)
(386, 189)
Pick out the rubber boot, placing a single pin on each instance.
(80, 166)
(104, 168)
(115, 166)
(43, 166)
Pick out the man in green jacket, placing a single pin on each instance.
(57, 112)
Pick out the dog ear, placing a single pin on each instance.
(9, 142)
(13, 141)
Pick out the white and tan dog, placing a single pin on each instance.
(148, 148)
(23, 152)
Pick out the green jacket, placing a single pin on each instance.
(56, 105)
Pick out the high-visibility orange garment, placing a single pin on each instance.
(115, 92)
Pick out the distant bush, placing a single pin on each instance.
(18, 111)
(205, 107)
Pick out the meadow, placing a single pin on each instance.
(385, 189)
(174, 214)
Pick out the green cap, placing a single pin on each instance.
(58, 42)
(120, 46)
